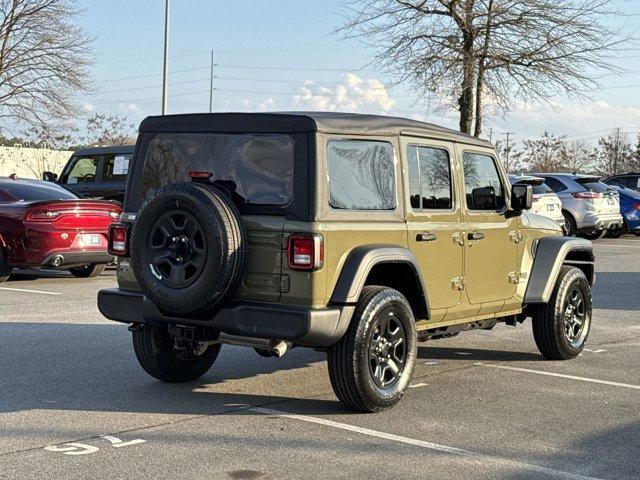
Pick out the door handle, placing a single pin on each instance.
(475, 236)
(426, 237)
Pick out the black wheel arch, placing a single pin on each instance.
(385, 265)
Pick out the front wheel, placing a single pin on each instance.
(170, 359)
(561, 327)
(371, 366)
(87, 271)
(593, 234)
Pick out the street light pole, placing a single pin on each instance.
(211, 85)
(165, 71)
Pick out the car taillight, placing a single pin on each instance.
(587, 195)
(41, 216)
(114, 215)
(305, 252)
(118, 239)
(636, 206)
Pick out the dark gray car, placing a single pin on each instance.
(99, 172)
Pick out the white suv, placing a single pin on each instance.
(545, 201)
(589, 206)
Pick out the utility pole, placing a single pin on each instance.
(211, 85)
(165, 71)
(490, 134)
(508, 148)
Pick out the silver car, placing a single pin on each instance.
(545, 201)
(589, 206)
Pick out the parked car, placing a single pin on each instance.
(99, 172)
(626, 180)
(630, 210)
(590, 207)
(545, 201)
(44, 225)
(359, 235)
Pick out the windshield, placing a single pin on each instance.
(32, 192)
(256, 168)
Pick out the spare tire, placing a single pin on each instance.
(188, 248)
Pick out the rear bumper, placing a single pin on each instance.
(66, 259)
(592, 221)
(302, 326)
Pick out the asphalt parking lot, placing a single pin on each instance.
(75, 404)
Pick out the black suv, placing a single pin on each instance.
(99, 172)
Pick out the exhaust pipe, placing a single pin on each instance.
(57, 261)
(277, 347)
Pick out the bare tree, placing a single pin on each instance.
(43, 60)
(614, 153)
(511, 159)
(471, 53)
(105, 130)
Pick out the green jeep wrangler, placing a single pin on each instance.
(355, 234)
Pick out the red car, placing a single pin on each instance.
(44, 225)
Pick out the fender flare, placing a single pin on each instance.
(359, 264)
(550, 255)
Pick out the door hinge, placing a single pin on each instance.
(458, 238)
(457, 283)
(515, 236)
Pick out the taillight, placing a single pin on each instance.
(636, 206)
(114, 216)
(118, 239)
(305, 252)
(41, 216)
(586, 195)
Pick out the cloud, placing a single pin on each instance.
(258, 105)
(88, 107)
(351, 93)
(129, 108)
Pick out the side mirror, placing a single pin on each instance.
(521, 197)
(49, 176)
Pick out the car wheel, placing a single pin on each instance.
(86, 271)
(570, 227)
(166, 358)
(561, 327)
(615, 232)
(5, 271)
(371, 366)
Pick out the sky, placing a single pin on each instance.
(284, 55)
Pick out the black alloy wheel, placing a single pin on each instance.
(176, 249)
(387, 350)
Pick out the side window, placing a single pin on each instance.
(361, 175)
(115, 167)
(482, 186)
(555, 185)
(83, 170)
(429, 178)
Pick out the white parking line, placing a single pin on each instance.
(29, 291)
(616, 246)
(562, 375)
(504, 462)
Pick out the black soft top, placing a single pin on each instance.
(115, 150)
(300, 122)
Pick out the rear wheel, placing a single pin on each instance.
(170, 359)
(561, 327)
(371, 366)
(86, 271)
(570, 227)
(5, 271)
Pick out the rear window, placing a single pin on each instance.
(256, 168)
(115, 167)
(593, 186)
(541, 189)
(30, 192)
(361, 175)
